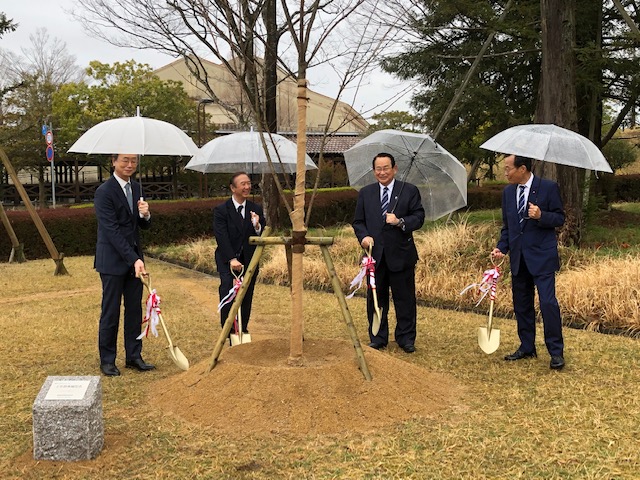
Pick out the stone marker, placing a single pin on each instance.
(67, 419)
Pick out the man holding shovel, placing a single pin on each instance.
(234, 222)
(531, 211)
(120, 211)
(387, 212)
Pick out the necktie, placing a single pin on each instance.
(240, 211)
(127, 189)
(521, 202)
(385, 201)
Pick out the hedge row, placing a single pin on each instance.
(74, 230)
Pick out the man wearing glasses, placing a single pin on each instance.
(387, 212)
(531, 211)
(120, 211)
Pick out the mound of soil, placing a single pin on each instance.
(252, 390)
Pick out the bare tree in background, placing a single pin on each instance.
(244, 36)
(36, 73)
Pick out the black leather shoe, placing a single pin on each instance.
(109, 369)
(519, 355)
(409, 348)
(376, 346)
(139, 365)
(557, 363)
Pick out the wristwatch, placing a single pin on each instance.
(401, 224)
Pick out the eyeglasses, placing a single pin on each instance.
(128, 162)
(382, 169)
(508, 169)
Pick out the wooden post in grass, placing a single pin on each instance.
(17, 250)
(53, 251)
(265, 240)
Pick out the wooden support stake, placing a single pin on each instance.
(337, 288)
(17, 249)
(53, 251)
(248, 275)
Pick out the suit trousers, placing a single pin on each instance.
(226, 282)
(522, 287)
(403, 288)
(114, 289)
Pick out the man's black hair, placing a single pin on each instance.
(381, 155)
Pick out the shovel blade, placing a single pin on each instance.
(239, 340)
(375, 324)
(489, 342)
(179, 359)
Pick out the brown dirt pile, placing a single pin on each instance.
(252, 390)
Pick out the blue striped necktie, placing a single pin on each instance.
(385, 202)
(521, 202)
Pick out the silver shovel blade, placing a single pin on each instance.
(488, 341)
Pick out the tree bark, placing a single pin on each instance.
(557, 104)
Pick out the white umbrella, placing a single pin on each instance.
(549, 143)
(440, 177)
(243, 151)
(137, 135)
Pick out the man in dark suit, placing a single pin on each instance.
(120, 212)
(233, 223)
(531, 211)
(387, 212)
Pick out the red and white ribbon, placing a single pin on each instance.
(233, 291)
(486, 285)
(368, 266)
(152, 315)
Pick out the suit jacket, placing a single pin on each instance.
(232, 232)
(533, 240)
(398, 245)
(118, 245)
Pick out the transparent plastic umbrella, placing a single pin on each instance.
(440, 177)
(137, 135)
(244, 152)
(549, 143)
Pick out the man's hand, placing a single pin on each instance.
(367, 242)
(143, 207)
(139, 268)
(235, 265)
(255, 221)
(496, 253)
(392, 219)
(534, 211)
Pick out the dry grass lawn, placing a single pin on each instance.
(513, 420)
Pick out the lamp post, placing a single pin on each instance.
(202, 126)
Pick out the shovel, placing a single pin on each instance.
(239, 338)
(174, 352)
(488, 337)
(377, 313)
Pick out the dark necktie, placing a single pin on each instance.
(240, 211)
(385, 202)
(521, 202)
(127, 189)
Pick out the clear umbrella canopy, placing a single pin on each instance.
(137, 135)
(549, 143)
(440, 177)
(244, 152)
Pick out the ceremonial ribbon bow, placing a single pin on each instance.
(233, 291)
(486, 285)
(151, 317)
(368, 267)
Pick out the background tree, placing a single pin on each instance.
(39, 70)
(112, 91)
(395, 120)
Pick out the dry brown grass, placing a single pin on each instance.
(594, 292)
(518, 420)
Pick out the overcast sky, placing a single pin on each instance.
(52, 14)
